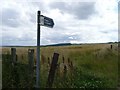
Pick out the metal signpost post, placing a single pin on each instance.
(38, 51)
(44, 21)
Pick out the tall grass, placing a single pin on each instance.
(95, 66)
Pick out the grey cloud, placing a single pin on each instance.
(60, 27)
(40, 5)
(26, 39)
(105, 32)
(85, 10)
(81, 10)
(59, 5)
(9, 40)
(61, 38)
(16, 41)
(108, 31)
(10, 17)
(33, 18)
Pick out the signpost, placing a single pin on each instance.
(46, 21)
(41, 21)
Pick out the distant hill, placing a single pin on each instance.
(60, 44)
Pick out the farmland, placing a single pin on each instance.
(93, 66)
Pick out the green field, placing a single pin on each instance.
(93, 66)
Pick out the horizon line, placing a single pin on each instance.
(60, 44)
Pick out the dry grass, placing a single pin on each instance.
(92, 59)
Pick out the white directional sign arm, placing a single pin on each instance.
(41, 20)
(46, 21)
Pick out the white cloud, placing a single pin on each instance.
(101, 26)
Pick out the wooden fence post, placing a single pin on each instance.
(71, 64)
(68, 60)
(13, 55)
(42, 59)
(14, 66)
(111, 46)
(52, 70)
(31, 66)
(48, 62)
(65, 71)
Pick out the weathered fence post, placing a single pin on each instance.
(111, 46)
(14, 66)
(71, 64)
(52, 70)
(42, 59)
(31, 66)
(65, 71)
(13, 55)
(48, 62)
(68, 60)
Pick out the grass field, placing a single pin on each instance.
(94, 66)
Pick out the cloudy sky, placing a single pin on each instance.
(76, 21)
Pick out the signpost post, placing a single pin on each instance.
(38, 51)
(41, 21)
